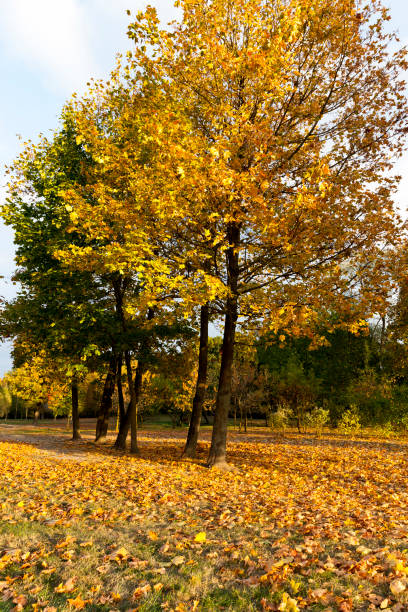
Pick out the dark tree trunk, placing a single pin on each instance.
(382, 339)
(121, 401)
(217, 456)
(218, 450)
(119, 287)
(190, 448)
(298, 418)
(129, 420)
(132, 405)
(125, 424)
(75, 411)
(105, 408)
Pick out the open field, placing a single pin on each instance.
(303, 523)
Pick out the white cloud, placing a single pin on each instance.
(66, 42)
(52, 38)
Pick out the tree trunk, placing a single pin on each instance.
(121, 402)
(218, 450)
(130, 418)
(190, 448)
(102, 422)
(75, 410)
(299, 424)
(120, 442)
(382, 339)
(132, 405)
(125, 425)
(217, 456)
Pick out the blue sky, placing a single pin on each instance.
(51, 48)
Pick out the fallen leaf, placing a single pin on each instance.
(66, 587)
(178, 560)
(78, 603)
(398, 586)
(141, 592)
(200, 537)
(119, 555)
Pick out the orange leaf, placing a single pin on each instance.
(78, 603)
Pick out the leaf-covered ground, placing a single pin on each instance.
(304, 523)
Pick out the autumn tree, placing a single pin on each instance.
(284, 121)
(68, 314)
(39, 380)
(244, 158)
(125, 235)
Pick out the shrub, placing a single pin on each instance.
(387, 429)
(403, 423)
(317, 419)
(350, 421)
(279, 420)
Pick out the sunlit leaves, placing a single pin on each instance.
(312, 521)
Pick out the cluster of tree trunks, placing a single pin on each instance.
(128, 417)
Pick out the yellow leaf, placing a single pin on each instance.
(119, 555)
(200, 537)
(288, 604)
(66, 587)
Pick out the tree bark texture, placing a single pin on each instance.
(125, 424)
(75, 410)
(105, 408)
(121, 401)
(190, 448)
(218, 450)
